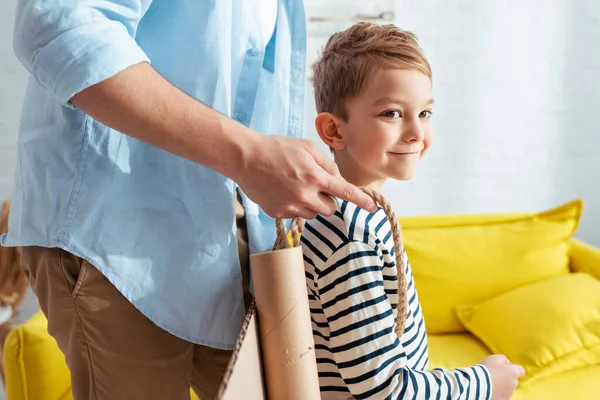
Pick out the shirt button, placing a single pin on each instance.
(254, 51)
(242, 116)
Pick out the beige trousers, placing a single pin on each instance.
(113, 351)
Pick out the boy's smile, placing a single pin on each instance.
(387, 129)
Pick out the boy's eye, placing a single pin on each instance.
(392, 114)
(425, 114)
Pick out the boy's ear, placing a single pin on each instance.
(329, 129)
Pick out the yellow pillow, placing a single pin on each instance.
(547, 327)
(460, 260)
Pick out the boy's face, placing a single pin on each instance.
(388, 128)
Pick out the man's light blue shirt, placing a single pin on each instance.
(162, 229)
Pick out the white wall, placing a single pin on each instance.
(13, 78)
(517, 85)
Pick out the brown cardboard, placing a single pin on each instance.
(274, 357)
(244, 377)
(288, 349)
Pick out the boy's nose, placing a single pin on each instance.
(412, 132)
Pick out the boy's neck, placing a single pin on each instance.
(355, 174)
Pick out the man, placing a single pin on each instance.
(129, 190)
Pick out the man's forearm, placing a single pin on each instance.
(286, 177)
(140, 103)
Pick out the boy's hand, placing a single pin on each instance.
(505, 376)
(290, 177)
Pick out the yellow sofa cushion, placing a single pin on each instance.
(585, 258)
(463, 350)
(547, 327)
(578, 384)
(34, 365)
(456, 350)
(462, 260)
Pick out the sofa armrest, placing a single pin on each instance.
(584, 258)
(34, 365)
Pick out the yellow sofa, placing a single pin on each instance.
(458, 261)
(462, 260)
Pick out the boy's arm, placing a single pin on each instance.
(371, 358)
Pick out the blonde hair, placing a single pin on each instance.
(350, 58)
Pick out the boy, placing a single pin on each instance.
(373, 95)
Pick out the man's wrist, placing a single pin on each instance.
(243, 144)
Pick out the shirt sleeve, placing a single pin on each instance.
(69, 45)
(368, 353)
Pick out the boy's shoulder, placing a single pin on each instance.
(349, 223)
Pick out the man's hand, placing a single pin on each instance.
(505, 376)
(291, 177)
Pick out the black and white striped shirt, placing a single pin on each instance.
(352, 283)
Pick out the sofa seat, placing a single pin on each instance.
(463, 350)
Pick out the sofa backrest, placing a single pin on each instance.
(460, 260)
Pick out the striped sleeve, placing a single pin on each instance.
(369, 355)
